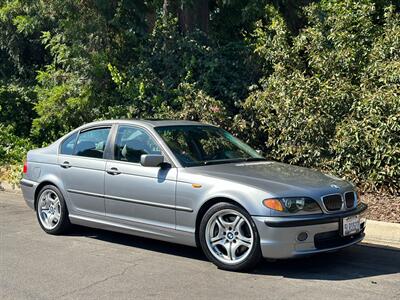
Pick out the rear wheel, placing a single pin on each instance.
(51, 210)
(229, 237)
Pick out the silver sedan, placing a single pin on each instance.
(190, 183)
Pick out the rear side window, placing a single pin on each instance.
(91, 143)
(67, 147)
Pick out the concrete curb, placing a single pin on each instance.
(382, 233)
(377, 233)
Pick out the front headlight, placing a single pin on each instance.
(293, 204)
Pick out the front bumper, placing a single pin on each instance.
(278, 235)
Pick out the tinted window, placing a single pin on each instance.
(91, 143)
(201, 145)
(132, 142)
(67, 147)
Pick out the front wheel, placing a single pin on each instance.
(229, 237)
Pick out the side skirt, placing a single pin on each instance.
(147, 231)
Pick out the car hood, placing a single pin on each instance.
(276, 178)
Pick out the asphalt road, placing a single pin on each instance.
(91, 263)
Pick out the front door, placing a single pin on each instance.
(82, 170)
(134, 193)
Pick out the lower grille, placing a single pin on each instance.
(350, 199)
(333, 239)
(332, 202)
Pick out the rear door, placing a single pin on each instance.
(82, 166)
(134, 193)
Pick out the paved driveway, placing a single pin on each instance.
(91, 263)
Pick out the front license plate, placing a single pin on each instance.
(350, 225)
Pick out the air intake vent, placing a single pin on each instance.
(350, 199)
(332, 202)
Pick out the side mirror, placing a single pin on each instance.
(151, 160)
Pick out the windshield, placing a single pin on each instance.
(203, 145)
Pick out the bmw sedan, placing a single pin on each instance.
(193, 184)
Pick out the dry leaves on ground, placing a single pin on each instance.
(382, 207)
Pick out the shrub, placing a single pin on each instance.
(367, 143)
(331, 95)
(179, 76)
(12, 148)
(13, 151)
(16, 107)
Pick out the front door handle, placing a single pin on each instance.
(113, 171)
(65, 165)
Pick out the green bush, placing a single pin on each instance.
(13, 149)
(314, 83)
(367, 143)
(16, 107)
(331, 99)
(179, 76)
(366, 147)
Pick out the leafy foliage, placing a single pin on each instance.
(367, 147)
(331, 99)
(12, 148)
(314, 83)
(183, 77)
(16, 107)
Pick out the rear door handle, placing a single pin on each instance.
(65, 165)
(113, 171)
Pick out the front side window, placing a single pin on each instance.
(202, 145)
(91, 143)
(132, 142)
(67, 147)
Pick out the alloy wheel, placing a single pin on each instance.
(229, 236)
(49, 209)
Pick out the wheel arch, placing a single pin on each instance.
(41, 185)
(206, 206)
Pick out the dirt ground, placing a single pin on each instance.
(382, 207)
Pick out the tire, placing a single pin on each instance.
(229, 237)
(51, 211)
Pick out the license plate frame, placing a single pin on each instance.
(350, 225)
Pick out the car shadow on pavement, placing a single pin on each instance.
(359, 261)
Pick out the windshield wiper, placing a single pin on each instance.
(221, 161)
(226, 161)
(255, 159)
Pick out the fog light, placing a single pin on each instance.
(302, 236)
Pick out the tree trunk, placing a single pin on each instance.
(195, 15)
(150, 20)
(170, 8)
(191, 15)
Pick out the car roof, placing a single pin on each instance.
(149, 123)
(157, 123)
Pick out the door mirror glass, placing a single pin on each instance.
(151, 160)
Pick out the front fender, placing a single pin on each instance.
(205, 190)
